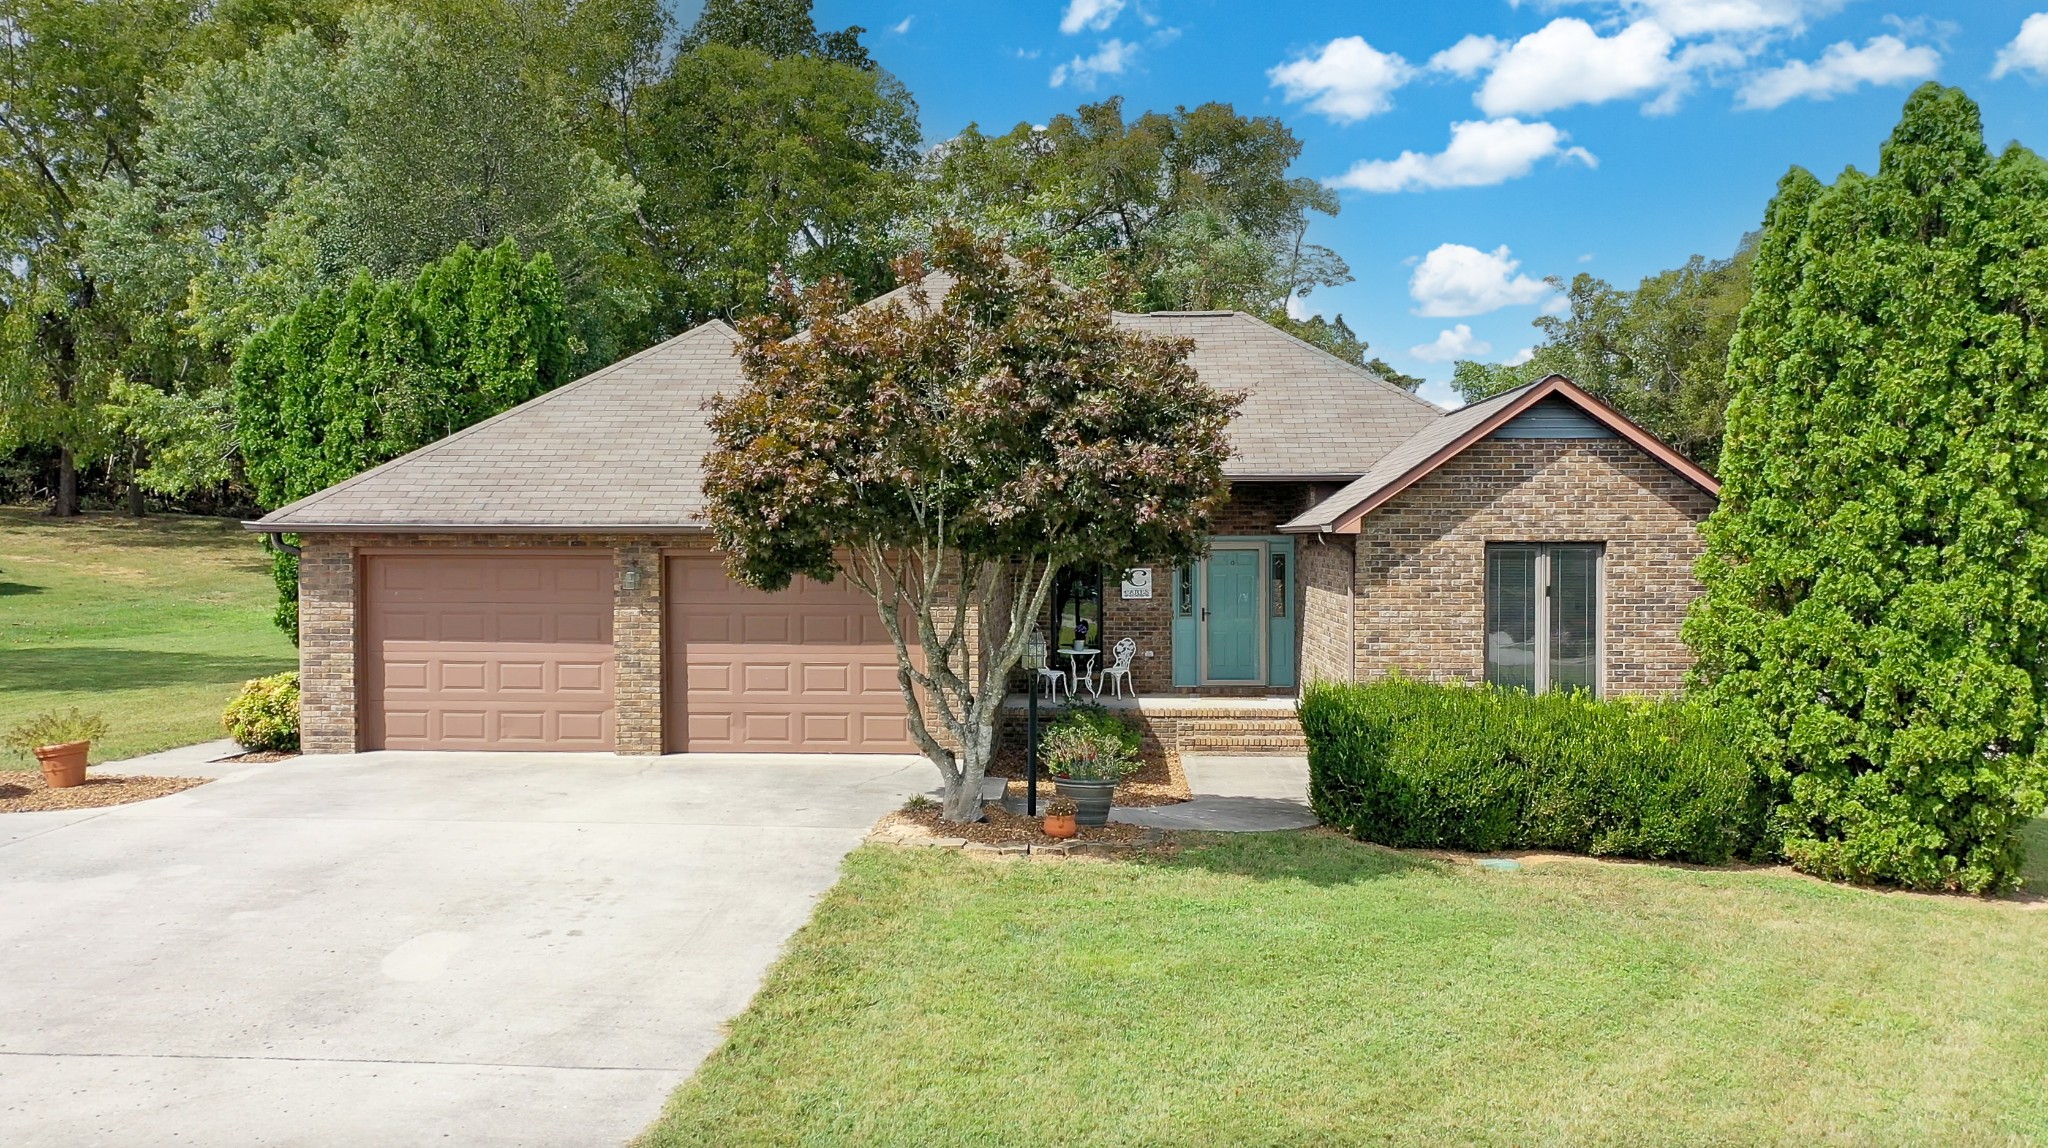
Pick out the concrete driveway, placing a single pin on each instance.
(395, 948)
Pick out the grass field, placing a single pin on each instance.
(153, 623)
(1304, 989)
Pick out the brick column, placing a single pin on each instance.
(327, 645)
(636, 640)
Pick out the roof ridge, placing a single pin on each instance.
(319, 496)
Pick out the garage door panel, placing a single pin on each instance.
(811, 669)
(488, 651)
(583, 678)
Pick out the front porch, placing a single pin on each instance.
(1185, 724)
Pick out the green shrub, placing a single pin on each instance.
(265, 715)
(56, 727)
(1412, 764)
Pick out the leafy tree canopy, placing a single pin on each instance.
(758, 165)
(778, 28)
(1188, 210)
(1877, 573)
(950, 455)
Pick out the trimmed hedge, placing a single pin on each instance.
(1412, 764)
(265, 715)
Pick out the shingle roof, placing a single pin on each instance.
(1306, 413)
(1447, 437)
(624, 447)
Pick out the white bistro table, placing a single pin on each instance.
(1081, 663)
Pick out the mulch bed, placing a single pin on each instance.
(23, 791)
(259, 755)
(1159, 780)
(1005, 828)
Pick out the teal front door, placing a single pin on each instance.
(1233, 615)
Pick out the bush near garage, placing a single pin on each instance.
(1414, 764)
(265, 715)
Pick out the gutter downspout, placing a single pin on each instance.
(273, 541)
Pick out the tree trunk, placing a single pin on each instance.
(66, 504)
(136, 509)
(962, 799)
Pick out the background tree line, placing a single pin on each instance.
(179, 176)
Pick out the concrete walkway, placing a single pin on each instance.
(1233, 795)
(390, 948)
(202, 760)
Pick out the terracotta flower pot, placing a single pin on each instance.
(1060, 825)
(63, 765)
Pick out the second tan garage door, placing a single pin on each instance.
(493, 650)
(809, 670)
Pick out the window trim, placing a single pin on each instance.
(1544, 583)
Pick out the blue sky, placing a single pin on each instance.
(1613, 136)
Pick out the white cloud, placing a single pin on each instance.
(1481, 153)
(1566, 62)
(1089, 15)
(1721, 17)
(1468, 57)
(1456, 343)
(1347, 80)
(1520, 357)
(1111, 58)
(2028, 51)
(1842, 68)
(1454, 280)
(903, 25)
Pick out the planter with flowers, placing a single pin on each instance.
(1087, 752)
(60, 743)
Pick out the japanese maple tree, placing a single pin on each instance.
(949, 449)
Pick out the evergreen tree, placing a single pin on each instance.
(357, 375)
(1877, 573)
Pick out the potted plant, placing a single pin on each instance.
(1087, 753)
(60, 742)
(1059, 817)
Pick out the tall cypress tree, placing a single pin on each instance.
(358, 375)
(1877, 573)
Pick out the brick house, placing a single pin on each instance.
(544, 580)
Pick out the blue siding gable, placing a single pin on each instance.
(1554, 418)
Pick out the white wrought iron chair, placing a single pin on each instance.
(1117, 674)
(1052, 681)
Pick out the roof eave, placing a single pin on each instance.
(262, 526)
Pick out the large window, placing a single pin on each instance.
(1543, 617)
(1077, 606)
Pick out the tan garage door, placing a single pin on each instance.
(488, 651)
(809, 670)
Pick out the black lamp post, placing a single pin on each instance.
(1034, 661)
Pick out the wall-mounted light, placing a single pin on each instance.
(630, 580)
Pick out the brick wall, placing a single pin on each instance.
(328, 626)
(1326, 564)
(1420, 559)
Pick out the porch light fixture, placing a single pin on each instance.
(630, 580)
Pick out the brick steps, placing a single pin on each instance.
(1244, 733)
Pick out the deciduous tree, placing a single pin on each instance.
(1877, 573)
(949, 456)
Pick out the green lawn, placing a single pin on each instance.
(152, 623)
(1305, 989)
